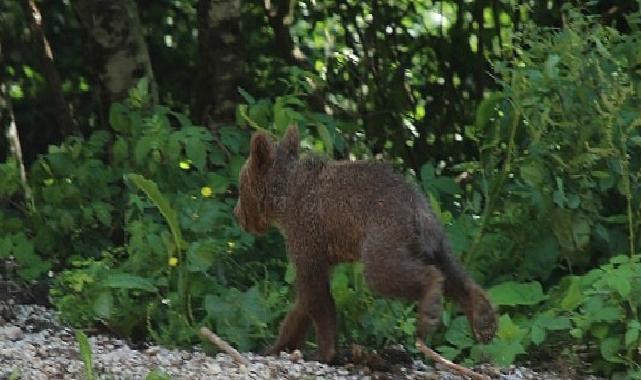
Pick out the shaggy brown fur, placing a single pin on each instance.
(340, 211)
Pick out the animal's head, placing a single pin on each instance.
(261, 178)
(481, 315)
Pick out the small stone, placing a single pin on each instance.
(11, 332)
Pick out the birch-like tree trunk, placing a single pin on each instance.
(220, 61)
(119, 55)
(8, 123)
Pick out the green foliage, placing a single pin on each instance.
(177, 268)
(556, 192)
(85, 353)
(157, 374)
(603, 306)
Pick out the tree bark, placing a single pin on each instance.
(64, 119)
(220, 61)
(8, 121)
(280, 14)
(118, 49)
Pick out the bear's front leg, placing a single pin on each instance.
(314, 301)
(293, 330)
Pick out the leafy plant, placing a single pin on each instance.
(85, 353)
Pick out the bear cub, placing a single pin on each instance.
(340, 211)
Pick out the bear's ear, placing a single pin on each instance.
(262, 152)
(290, 141)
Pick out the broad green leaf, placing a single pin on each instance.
(231, 137)
(459, 334)
(142, 149)
(573, 297)
(620, 282)
(609, 348)
(538, 334)
(503, 353)
(103, 304)
(513, 293)
(532, 173)
(120, 150)
(449, 352)
(201, 255)
(508, 330)
(118, 118)
(196, 152)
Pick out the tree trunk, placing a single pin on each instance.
(8, 121)
(220, 61)
(280, 14)
(119, 53)
(65, 122)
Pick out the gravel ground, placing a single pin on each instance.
(35, 346)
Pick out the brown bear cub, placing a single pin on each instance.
(340, 211)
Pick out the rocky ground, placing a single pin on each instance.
(34, 346)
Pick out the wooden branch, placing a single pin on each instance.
(453, 366)
(223, 346)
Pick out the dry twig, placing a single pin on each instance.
(453, 366)
(224, 346)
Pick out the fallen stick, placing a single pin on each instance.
(224, 346)
(453, 366)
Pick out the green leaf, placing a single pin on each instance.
(504, 353)
(143, 147)
(103, 304)
(231, 137)
(538, 334)
(328, 140)
(512, 293)
(118, 118)
(196, 152)
(532, 173)
(103, 213)
(120, 150)
(449, 352)
(609, 348)
(573, 297)
(551, 68)
(151, 189)
(508, 330)
(619, 282)
(85, 353)
(201, 255)
(459, 334)
(127, 281)
(632, 333)
(157, 374)
(248, 98)
(486, 110)
(606, 314)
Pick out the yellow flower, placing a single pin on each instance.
(231, 244)
(173, 261)
(184, 165)
(206, 191)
